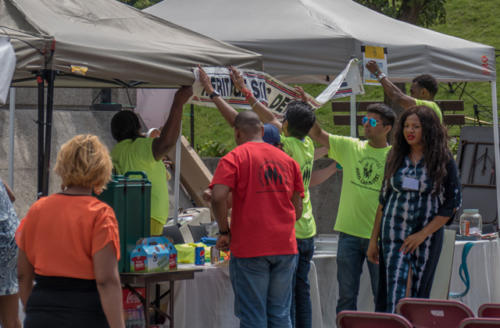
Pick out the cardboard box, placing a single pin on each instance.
(153, 254)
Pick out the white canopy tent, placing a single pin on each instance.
(100, 43)
(303, 41)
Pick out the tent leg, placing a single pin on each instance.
(50, 76)
(41, 131)
(192, 125)
(354, 125)
(497, 144)
(12, 107)
(177, 175)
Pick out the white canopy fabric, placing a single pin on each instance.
(302, 41)
(108, 42)
(7, 67)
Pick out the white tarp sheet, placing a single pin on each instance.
(7, 67)
(304, 40)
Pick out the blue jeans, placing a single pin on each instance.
(351, 255)
(301, 312)
(263, 290)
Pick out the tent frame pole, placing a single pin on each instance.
(50, 77)
(41, 131)
(177, 175)
(496, 142)
(354, 126)
(191, 116)
(12, 107)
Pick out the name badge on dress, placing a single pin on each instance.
(410, 184)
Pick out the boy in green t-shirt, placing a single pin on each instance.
(298, 120)
(363, 165)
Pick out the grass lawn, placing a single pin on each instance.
(477, 21)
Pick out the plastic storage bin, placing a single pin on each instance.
(130, 197)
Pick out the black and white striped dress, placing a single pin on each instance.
(406, 212)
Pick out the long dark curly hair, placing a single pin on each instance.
(435, 146)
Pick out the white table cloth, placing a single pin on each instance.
(208, 300)
(483, 263)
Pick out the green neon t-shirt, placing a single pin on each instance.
(137, 155)
(302, 151)
(363, 172)
(432, 105)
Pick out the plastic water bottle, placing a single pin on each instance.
(471, 222)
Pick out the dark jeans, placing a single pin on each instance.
(301, 312)
(351, 255)
(263, 290)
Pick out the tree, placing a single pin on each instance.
(140, 4)
(418, 12)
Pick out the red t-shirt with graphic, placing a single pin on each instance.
(262, 179)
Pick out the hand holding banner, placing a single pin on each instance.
(268, 90)
(345, 84)
(377, 54)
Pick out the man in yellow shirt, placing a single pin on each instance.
(422, 91)
(134, 152)
(363, 163)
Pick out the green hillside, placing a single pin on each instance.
(477, 21)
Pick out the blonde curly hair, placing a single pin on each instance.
(84, 161)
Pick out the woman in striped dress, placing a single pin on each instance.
(421, 192)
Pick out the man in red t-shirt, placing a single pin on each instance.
(267, 188)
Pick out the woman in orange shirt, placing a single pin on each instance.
(69, 244)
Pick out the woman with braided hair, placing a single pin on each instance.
(420, 194)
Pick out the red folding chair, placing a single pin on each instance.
(429, 313)
(489, 310)
(480, 323)
(358, 319)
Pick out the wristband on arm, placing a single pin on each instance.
(224, 233)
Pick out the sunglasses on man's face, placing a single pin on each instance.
(373, 122)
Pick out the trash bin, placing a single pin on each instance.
(130, 197)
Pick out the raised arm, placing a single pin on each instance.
(265, 114)
(170, 131)
(390, 89)
(228, 112)
(319, 135)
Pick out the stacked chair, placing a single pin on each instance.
(424, 313)
(489, 310)
(358, 319)
(431, 313)
(489, 317)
